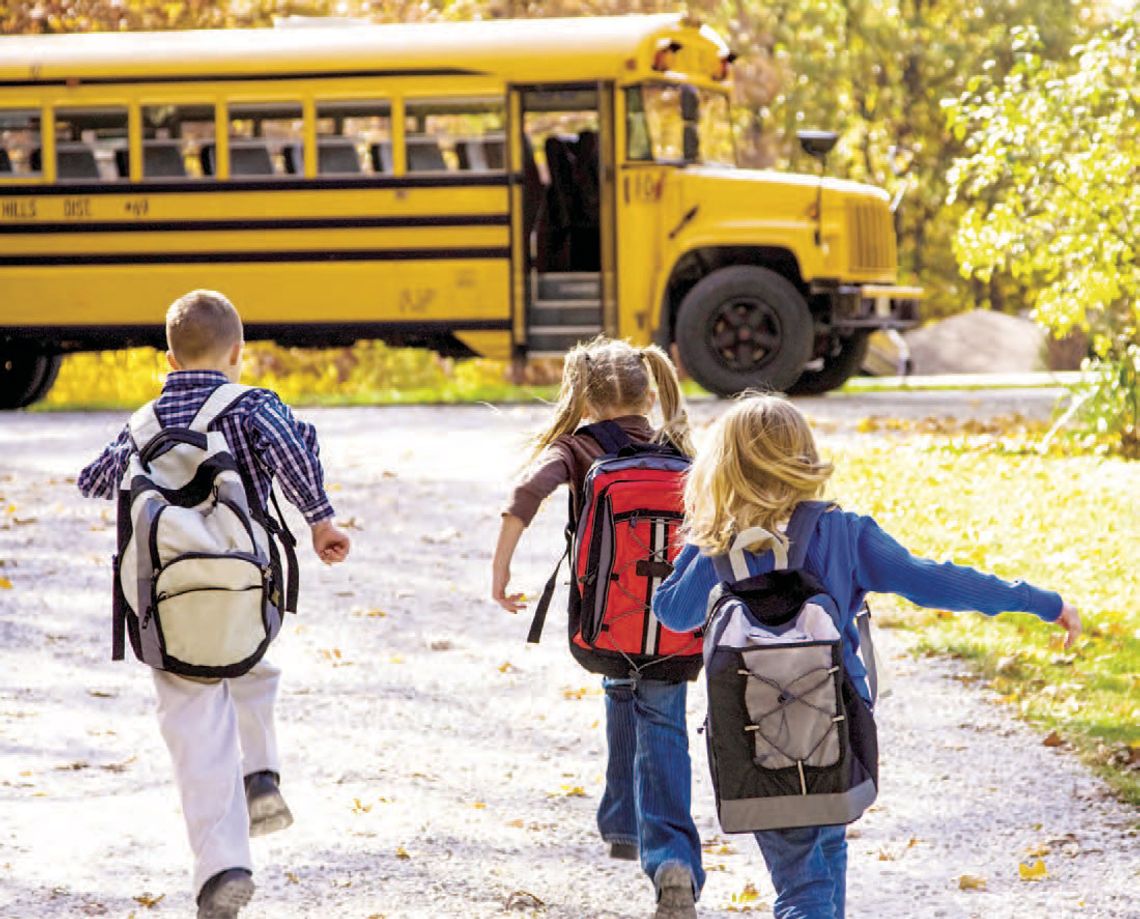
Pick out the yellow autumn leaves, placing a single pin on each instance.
(368, 373)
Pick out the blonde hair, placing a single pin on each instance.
(202, 324)
(756, 464)
(605, 375)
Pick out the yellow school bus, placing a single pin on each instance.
(501, 188)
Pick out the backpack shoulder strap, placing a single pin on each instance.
(608, 434)
(144, 426)
(221, 400)
(801, 527)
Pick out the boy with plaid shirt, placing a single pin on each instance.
(220, 733)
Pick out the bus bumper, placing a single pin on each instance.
(875, 306)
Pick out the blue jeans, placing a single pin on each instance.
(809, 868)
(649, 777)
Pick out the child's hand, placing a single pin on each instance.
(330, 544)
(1070, 621)
(500, 578)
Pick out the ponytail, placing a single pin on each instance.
(571, 400)
(676, 418)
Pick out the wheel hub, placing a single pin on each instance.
(745, 333)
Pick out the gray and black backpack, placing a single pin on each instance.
(791, 742)
(200, 582)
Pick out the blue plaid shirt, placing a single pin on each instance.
(260, 425)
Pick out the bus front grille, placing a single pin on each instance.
(871, 237)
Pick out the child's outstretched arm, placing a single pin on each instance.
(509, 533)
(884, 566)
(290, 451)
(549, 471)
(101, 478)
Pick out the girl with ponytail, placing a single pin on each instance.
(644, 812)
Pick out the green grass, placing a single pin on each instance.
(1071, 524)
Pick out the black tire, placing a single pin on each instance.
(744, 327)
(836, 367)
(25, 378)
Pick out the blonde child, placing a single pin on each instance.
(757, 463)
(645, 808)
(220, 733)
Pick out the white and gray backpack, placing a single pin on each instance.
(200, 587)
(791, 742)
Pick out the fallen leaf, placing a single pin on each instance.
(359, 807)
(145, 899)
(5, 584)
(507, 667)
(1039, 851)
(518, 823)
(971, 882)
(402, 853)
(1053, 739)
(568, 791)
(292, 878)
(479, 806)
(1036, 871)
(521, 899)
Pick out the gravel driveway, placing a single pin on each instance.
(436, 764)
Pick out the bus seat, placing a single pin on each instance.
(495, 151)
(471, 155)
(335, 156)
(162, 159)
(294, 159)
(381, 157)
(5, 161)
(250, 159)
(424, 155)
(246, 159)
(73, 161)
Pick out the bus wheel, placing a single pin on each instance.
(843, 361)
(744, 327)
(26, 378)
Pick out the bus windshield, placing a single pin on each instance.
(656, 125)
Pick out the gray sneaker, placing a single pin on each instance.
(675, 893)
(225, 894)
(268, 811)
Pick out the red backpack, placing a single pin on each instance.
(622, 538)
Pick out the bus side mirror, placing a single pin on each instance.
(817, 144)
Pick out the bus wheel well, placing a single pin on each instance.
(699, 263)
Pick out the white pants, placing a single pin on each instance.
(217, 734)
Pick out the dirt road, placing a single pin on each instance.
(438, 766)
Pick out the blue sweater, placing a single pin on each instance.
(852, 556)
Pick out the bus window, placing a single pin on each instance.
(353, 138)
(19, 138)
(259, 136)
(86, 143)
(456, 135)
(655, 125)
(717, 145)
(173, 138)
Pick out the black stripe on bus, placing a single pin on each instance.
(79, 189)
(237, 258)
(300, 223)
(247, 77)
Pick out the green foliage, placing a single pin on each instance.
(1070, 524)
(876, 71)
(1050, 183)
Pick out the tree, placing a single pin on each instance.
(877, 71)
(1050, 183)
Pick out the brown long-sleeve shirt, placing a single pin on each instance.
(566, 462)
